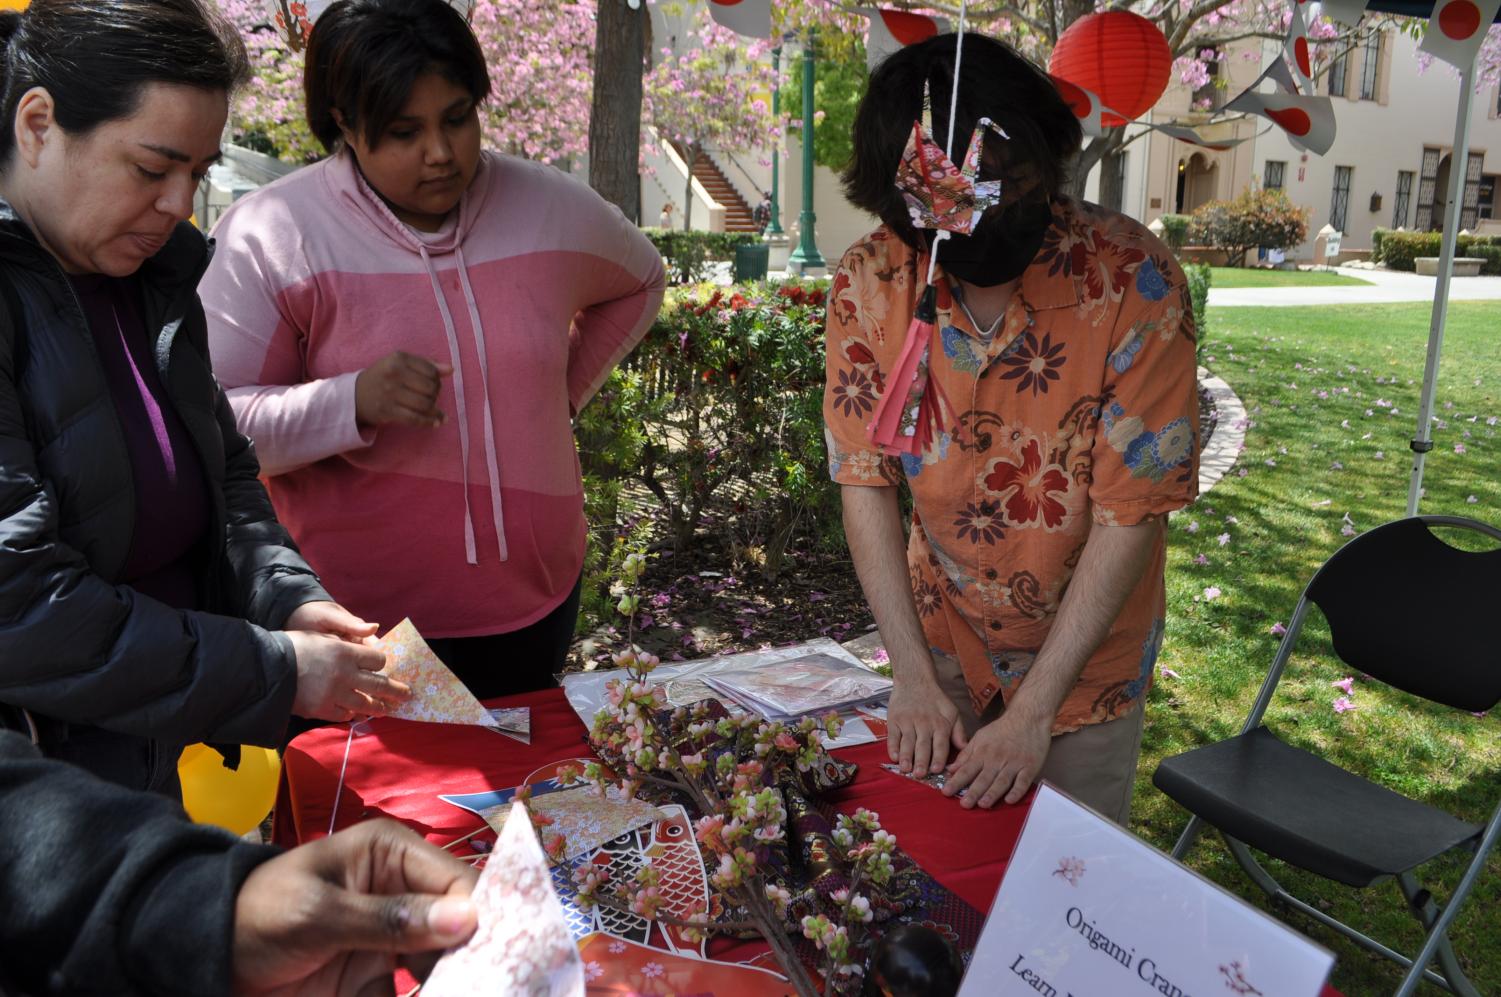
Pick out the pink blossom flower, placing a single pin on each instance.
(1459, 448)
(1278, 630)
(1344, 704)
(1224, 539)
(1345, 685)
(1201, 559)
(1167, 672)
(1211, 593)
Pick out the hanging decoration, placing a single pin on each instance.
(913, 412)
(295, 18)
(1119, 55)
(891, 30)
(1295, 49)
(744, 17)
(1085, 104)
(1456, 29)
(1308, 121)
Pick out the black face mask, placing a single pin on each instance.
(1000, 248)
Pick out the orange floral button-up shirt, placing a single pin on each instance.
(1081, 409)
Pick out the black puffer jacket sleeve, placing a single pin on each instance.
(267, 577)
(109, 891)
(77, 648)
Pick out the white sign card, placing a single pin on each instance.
(1087, 909)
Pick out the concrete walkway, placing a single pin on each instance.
(1385, 286)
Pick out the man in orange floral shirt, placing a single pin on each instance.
(1024, 620)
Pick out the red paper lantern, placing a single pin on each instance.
(1122, 57)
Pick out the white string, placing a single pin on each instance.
(943, 234)
(348, 742)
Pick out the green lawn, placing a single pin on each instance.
(1240, 277)
(1331, 395)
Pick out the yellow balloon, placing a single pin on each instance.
(236, 800)
(13, 4)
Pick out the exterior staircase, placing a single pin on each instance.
(737, 213)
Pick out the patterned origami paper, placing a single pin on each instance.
(583, 818)
(940, 195)
(438, 697)
(629, 969)
(522, 945)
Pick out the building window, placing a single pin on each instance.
(1370, 69)
(1339, 207)
(1273, 178)
(1427, 190)
(1337, 71)
(1209, 96)
(1403, 196)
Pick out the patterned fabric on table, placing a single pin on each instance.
(1081, 409)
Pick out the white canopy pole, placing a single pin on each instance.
(1459, 168)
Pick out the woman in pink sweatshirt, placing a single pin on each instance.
(407, 328)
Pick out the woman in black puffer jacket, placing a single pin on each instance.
(148, 596)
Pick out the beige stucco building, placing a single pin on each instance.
(1388, 167)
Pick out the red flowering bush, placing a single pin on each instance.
(1256, 218)
(719, 410)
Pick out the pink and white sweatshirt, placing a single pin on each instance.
(533, 290)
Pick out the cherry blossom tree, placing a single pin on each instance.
(711, 95)
(539, 59)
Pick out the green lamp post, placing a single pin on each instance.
(806, 256)
(774, 229)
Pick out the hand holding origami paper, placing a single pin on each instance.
(522, 945)
(438, 696)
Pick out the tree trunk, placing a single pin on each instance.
(1112, 193)
(692, 156)
(615, 111)
(1093, 152)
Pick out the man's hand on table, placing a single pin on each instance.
(920, 725)
(338, 915)
(1001, 760)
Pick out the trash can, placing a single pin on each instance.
(751, 260)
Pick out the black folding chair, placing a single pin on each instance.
(1411, 611)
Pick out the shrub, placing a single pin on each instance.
(1491, 254)
(1378, 243)
(718, 410)
(688, 254)
(1199, 276)
(1257, 217)
(1175, 231)
(1400, 250)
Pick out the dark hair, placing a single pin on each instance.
(364, 56)
(996, 83)
(96, 56)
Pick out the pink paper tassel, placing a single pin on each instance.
(911, 412)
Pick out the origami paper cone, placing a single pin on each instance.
(437, 694)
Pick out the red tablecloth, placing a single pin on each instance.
(399, 768)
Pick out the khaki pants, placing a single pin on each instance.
(1096, 765)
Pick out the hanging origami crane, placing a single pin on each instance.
(940, 195)
(913, 412)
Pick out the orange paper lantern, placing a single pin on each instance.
(1121, 57)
